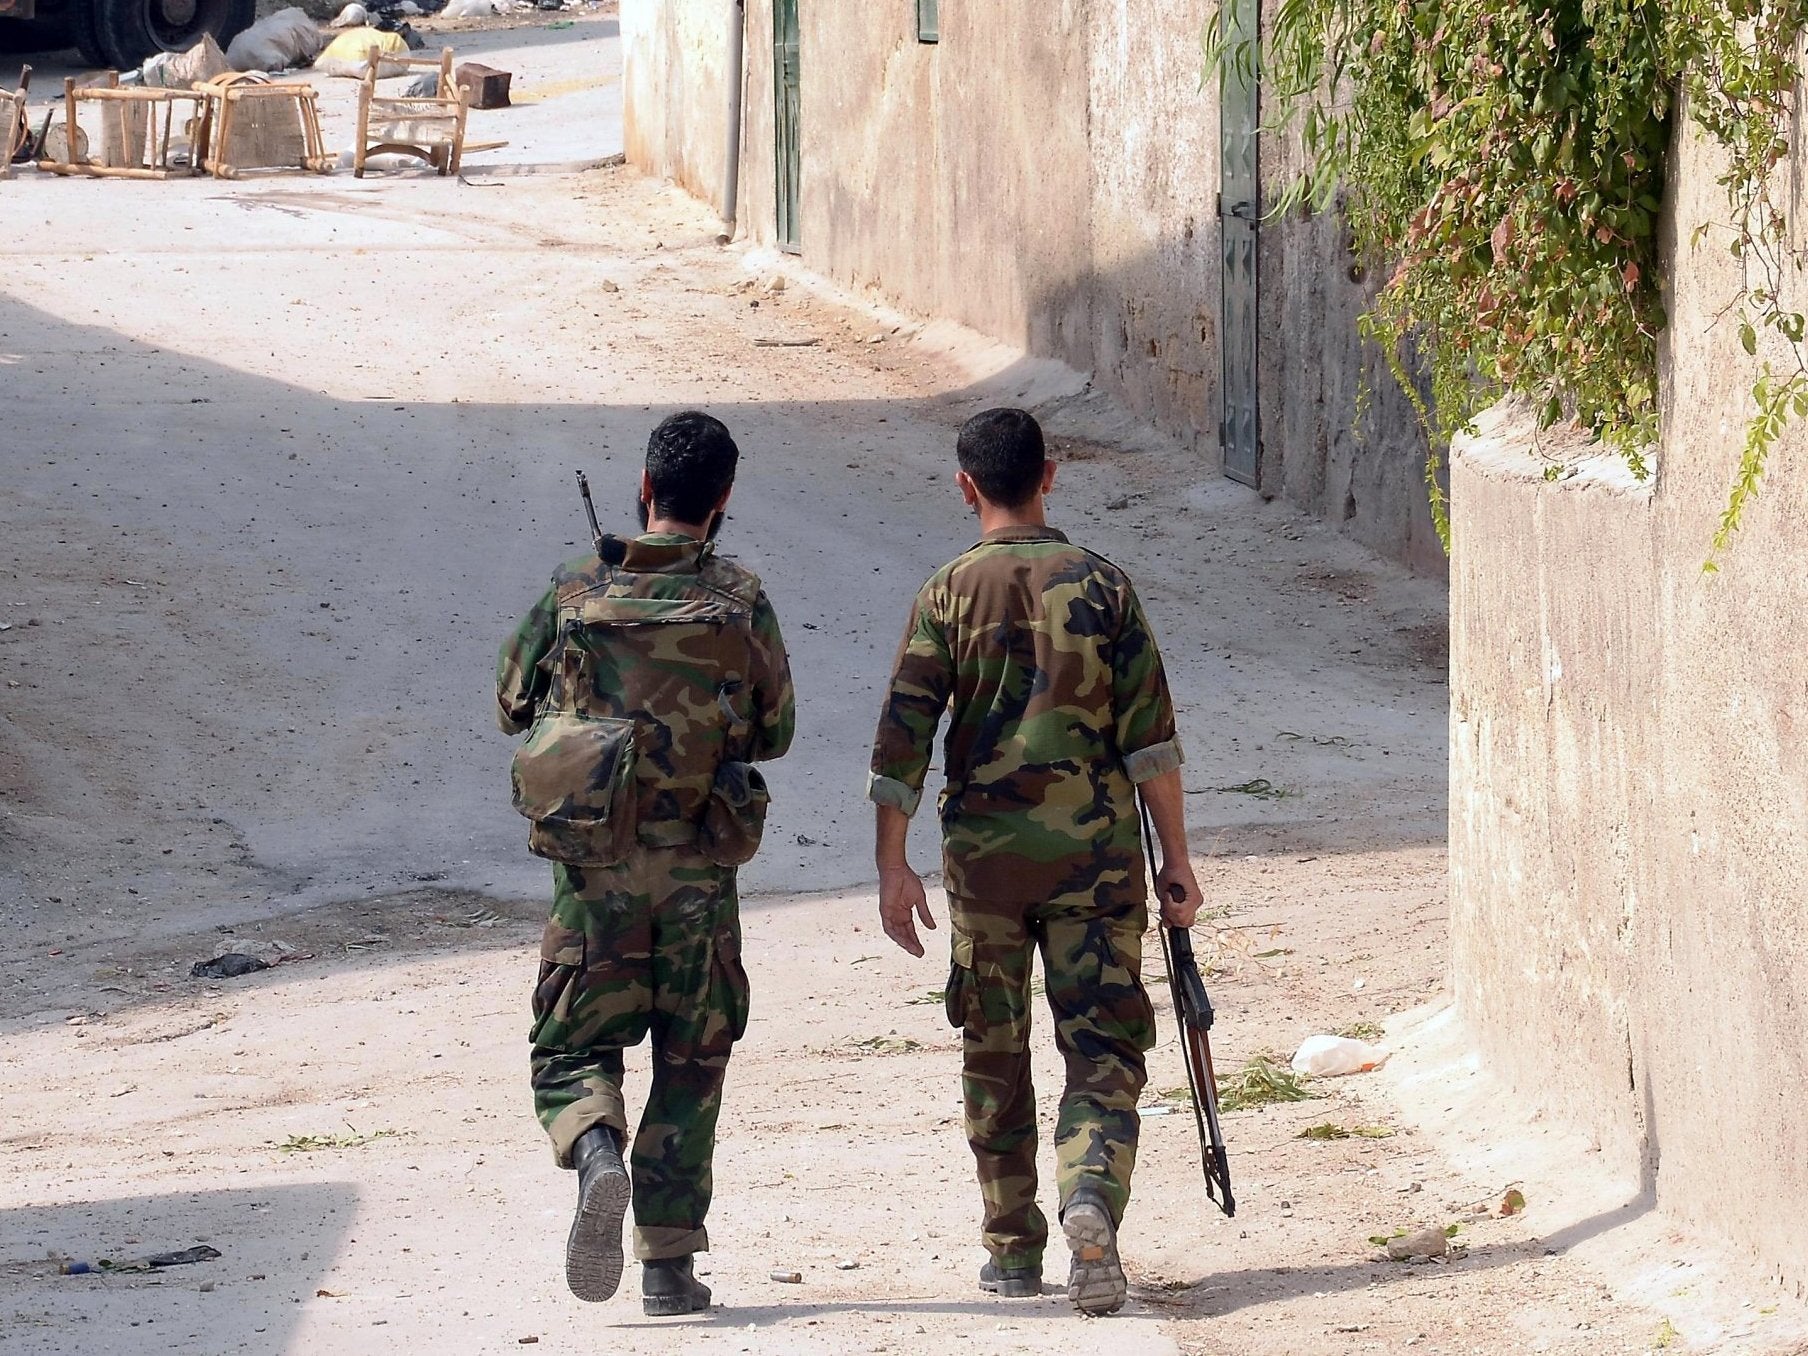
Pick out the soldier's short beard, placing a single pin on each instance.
(716, 519)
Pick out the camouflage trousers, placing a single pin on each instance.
(1092, 965)
(650, 946)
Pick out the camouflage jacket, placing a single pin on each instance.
(700, 642)
(1057, 704)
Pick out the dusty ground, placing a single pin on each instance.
(282, 461)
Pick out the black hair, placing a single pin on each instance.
(1002, 450)
(691, 463)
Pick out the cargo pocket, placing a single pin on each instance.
(957, 998)
(558, 987)
(730, 995)
(1122, 998)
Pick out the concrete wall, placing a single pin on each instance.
(675, 91)
(1047, 174)
(1629, 769)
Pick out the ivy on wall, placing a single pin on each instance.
(1506, 158)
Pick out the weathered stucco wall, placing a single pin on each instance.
(1047, 173)
(675, 91)
(1629, 777)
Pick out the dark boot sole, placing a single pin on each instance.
(673, 1306)
(593, 1253)
(1096, 1283)
(1013, 1289)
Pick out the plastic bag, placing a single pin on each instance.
(1333, 1056)
(349, 53)
(287, 38)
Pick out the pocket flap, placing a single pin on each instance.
(560, 945)
(571, 766)
(963, 951)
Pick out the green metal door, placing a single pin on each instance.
(785, 120)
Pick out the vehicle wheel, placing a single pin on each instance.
(86, 33)
(131, 30)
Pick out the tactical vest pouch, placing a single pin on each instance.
(574, 778)
(734, 817)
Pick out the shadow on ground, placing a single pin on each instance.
(1206, 1297)
(275, 1245)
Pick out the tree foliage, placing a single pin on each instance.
(1507, 160)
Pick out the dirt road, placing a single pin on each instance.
(282, 462)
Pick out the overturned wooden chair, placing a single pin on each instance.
(140, 137)
(429, 128)
(254, 123)
(16, 131)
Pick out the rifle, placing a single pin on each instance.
(1193, 1012)
(596, 530)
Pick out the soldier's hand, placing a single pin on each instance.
(1179, 893)
(901, 903)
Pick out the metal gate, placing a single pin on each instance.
(785, 119)
(1239, 209)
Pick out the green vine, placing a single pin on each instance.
(1507, 160)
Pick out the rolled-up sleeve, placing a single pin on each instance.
(1142, 709)
(521, 682)
(921, 680)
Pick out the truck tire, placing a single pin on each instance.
(85, 33)
(131, 30)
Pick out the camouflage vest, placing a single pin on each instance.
(661, 639)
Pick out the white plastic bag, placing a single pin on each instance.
(353, 15)
(1333, 1056)
(182, 70)
(287, 38)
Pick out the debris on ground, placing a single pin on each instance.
(1422, 1246)
(1335, 1056)
(1260, 1082)
(1511, 1203)
(186, 1257)
(786, 1277)
(1331, 1130)
(357, 1139)
(201, 1252)
(484, 86)
(236, 956)
(232, 965)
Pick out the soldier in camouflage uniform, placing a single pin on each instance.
(1058, 715)
(652, 676)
